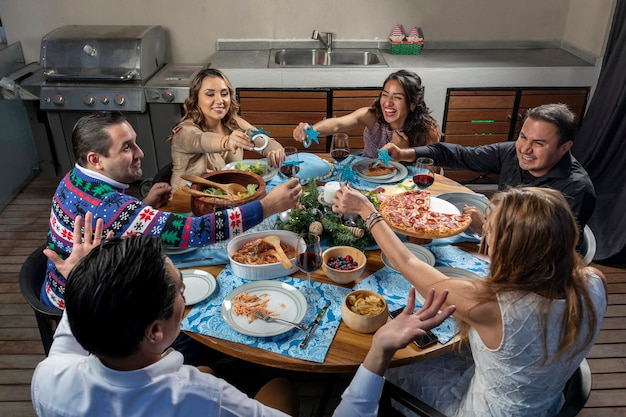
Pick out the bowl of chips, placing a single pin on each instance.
(364, 311)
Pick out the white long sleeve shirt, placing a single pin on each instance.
(70, 383)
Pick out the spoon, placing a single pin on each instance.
(201, 194)
(230, 188)
(282, 257)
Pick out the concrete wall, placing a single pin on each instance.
(194, 26)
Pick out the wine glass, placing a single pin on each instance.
(309, 257)
(339, 149)
(424, 173)
(291, 154)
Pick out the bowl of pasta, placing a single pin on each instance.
(217, 199)
(252, 258)
(364, 311)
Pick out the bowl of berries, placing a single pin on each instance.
(343, 264)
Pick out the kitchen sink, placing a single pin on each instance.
(281, 58)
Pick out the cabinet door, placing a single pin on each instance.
(347, 101)
(575, 98)
(280, 111)
(477, 117)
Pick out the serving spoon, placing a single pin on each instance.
(282, 257)
(197, 193)
(230, 188)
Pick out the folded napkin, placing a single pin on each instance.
(206, 318)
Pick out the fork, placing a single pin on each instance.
(270, 318)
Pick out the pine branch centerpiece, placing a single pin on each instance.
(337, 230)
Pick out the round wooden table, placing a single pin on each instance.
(348, 348)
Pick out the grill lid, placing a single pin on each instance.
(102, 52)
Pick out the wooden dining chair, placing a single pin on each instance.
(576, 392)
(32, 275)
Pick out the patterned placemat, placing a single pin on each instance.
(206, 318)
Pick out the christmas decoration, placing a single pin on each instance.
(356, 231)
(316, 228)
(334, 232)
(311, 136)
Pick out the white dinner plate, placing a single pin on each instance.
(270, 172)
(442, 206)
(284, 300)
(178, 251)
(420, 252)
(453, 272)
(199, 285)
(461, 199)
(361, 167)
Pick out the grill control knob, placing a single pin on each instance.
(58, 99)
(168, 95)
(104, 100)
(120, 100)
(89, 100)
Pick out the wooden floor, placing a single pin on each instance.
(23, 226)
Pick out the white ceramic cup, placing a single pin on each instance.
(330, 189)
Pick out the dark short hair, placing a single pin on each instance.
(559, 115)
(116, 291)
(90, 134)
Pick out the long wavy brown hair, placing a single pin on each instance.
(192, 111)
(420, 127)
(534, 250)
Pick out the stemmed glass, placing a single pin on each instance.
(291, 153)
(339, 149)
(309, 257)
(424, 173)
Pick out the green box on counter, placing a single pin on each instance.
(406, 48)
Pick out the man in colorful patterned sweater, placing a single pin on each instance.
(107, 159)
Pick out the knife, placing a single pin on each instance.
(316, 323)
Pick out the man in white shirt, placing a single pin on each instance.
(124, 306)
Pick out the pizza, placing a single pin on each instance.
(409, 213)
(375, 171)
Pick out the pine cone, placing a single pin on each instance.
(316, 228)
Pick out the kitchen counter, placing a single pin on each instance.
(441, 66)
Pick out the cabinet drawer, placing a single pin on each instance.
(280, 111)
(479, 115)
(460, 128)
(481, 99)
(475, 140)
(345, 102)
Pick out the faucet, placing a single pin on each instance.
(328, 43)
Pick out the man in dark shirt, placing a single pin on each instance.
(539, 157)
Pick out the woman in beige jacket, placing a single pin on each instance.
(210, 134)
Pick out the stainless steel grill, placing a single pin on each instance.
(165, 94)
(89, 68)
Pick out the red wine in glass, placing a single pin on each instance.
(423, 181)
(424, 173)
(309, 258)
(309, 261)
(339, 154)
(289, 170)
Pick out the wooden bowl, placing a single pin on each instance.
(363, 323)
(205, 205)
(339, 276)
